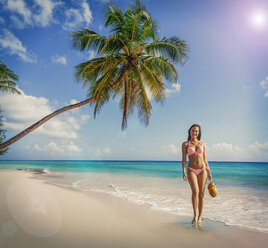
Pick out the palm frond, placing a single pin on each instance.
(86, 39)
(6, 73)
(9, 86)
(112, 45)
(92, 69)
(182, 47)
(143, 104)
(136, 17)
(160, 66)
(154, 82)
(7, 78)
(174, 50)
(116, 19)
(149, 31)
(100, 90)
(133, 94)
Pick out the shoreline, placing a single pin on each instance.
(48, 177)
(157, 210)
(95, 219)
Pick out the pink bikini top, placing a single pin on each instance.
(191, 150)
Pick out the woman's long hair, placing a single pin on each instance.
(199, 135)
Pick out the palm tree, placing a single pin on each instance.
(130, 60)
(7, 84)
(7, 78)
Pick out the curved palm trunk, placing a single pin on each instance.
(42, 121)
(124, 121)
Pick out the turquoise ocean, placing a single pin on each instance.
(242, 186)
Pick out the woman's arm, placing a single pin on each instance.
(206, 162)
(183, 148)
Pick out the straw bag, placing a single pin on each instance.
(212, 189)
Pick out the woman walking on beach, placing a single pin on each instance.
(197, 169)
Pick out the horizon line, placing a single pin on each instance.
(118, 160)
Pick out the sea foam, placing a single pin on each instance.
(236, 206)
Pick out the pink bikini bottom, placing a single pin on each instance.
(195, 171)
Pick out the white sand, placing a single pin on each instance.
(36, 214)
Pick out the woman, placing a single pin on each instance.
(197, 169)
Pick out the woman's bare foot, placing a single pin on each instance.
(199, 221)
(194, 221)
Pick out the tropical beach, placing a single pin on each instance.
(241, 202)
(36, 213)
(133, 123)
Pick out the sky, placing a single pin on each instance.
(223, 86)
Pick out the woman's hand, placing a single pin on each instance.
(209, 175)
(184, 176)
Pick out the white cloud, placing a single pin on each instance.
(104, 1)
(101, 152)
(216, 152)
(53, 148)
(229, 152)
(8, 40)
(40, 13)
(78, 16)
(17, 22)
(224, 151)
(84, 119)
(20, 7)
(264, 85)
(175, 88)
(170, 149)
(87, 12)
(63, 149)
(21, 111)
(73, 101)
(45, 16)
(73, 122)
(73, 18)
(14, 46)
(72, 147)
(36, 147)
(259, 149)
(60, 60)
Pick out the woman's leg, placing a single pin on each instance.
(192, 178)
(202, 178)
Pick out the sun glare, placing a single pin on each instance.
(250, 21)
(258, 19)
